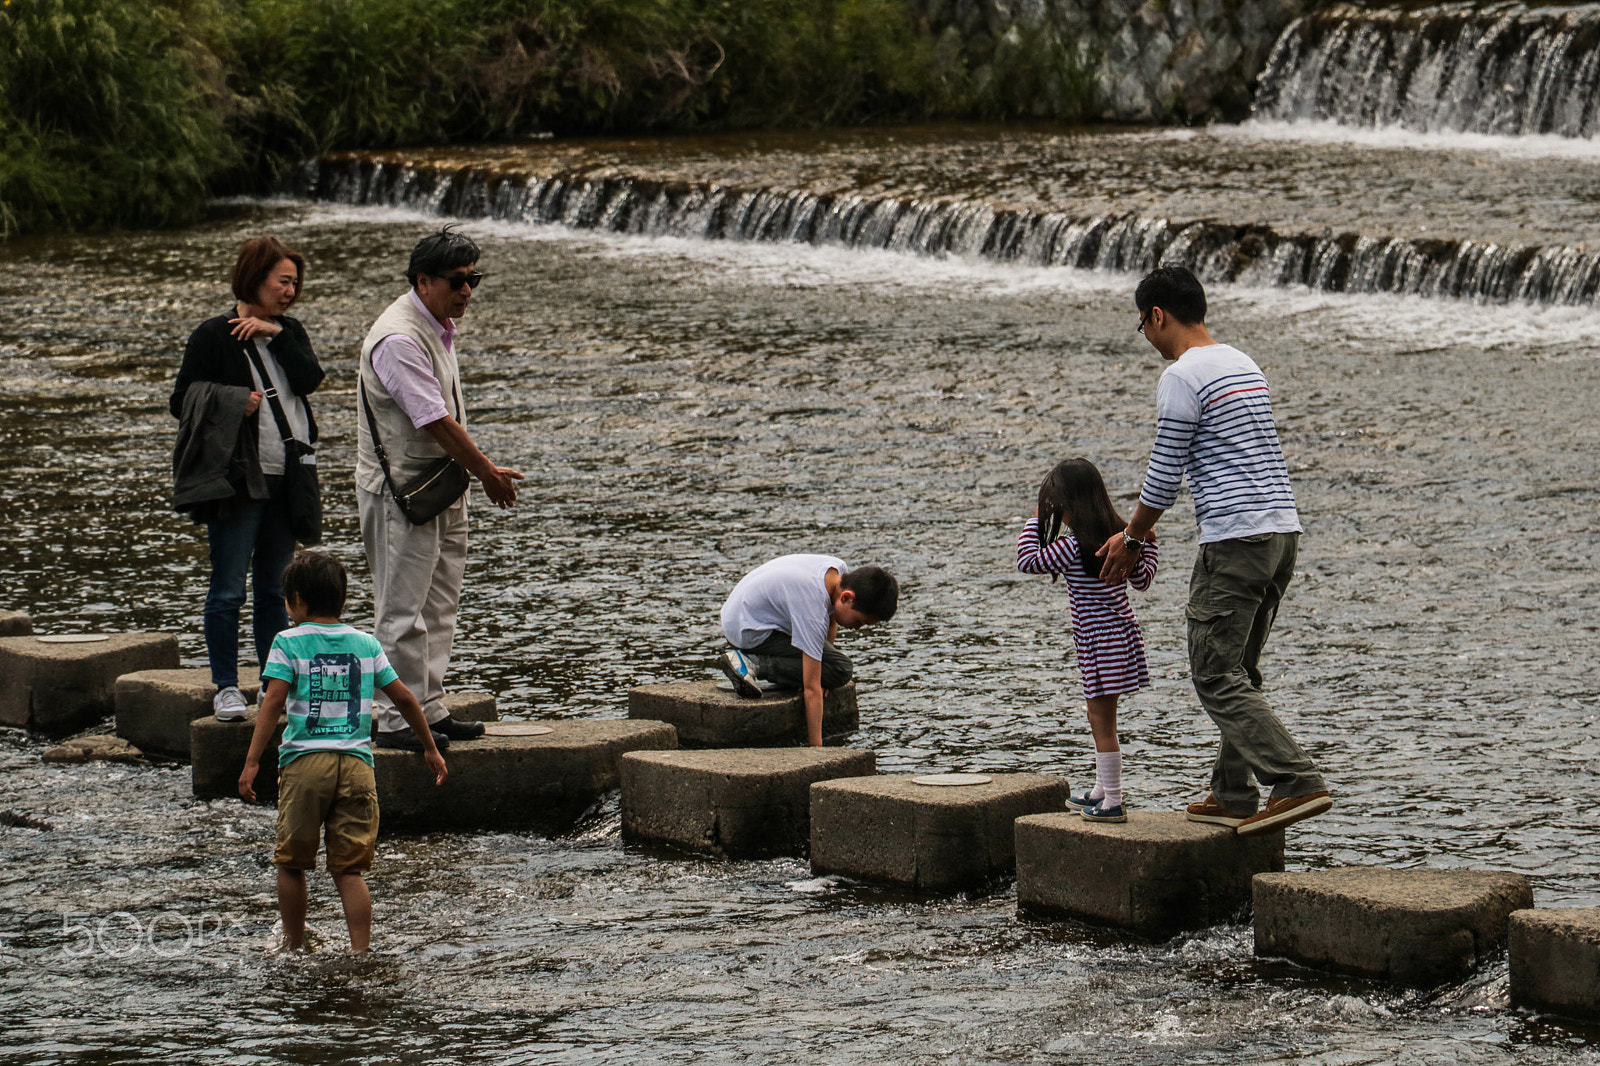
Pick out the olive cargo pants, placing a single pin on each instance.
(1234, 594)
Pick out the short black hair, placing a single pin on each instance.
(319, 581)
(1176, 291)
(877, 592)
(439, 253)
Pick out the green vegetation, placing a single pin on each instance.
(134, 111)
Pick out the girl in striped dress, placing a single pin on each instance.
(1105, 634)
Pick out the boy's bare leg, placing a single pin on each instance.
(357, 909)
(292, 907)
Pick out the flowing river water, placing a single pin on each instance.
(685, 408)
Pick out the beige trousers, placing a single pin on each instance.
(416, 589)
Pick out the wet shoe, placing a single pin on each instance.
(733, 663)
(456, 730)
(1081, 802)
(1214, 813)
(1101, 813)
(229, 705)
(406, 740)
(1280, 813)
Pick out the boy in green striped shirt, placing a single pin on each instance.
(321, 674)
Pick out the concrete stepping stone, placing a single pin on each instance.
(733, 803)
(154, 707)
(61, 683)
(1419, 927)
(225, 744)
(1155, 874)
(1555, 960)
(933, 837)
(15, 624)
(546, 780)
(709, 714)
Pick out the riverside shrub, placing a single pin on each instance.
(111, 111)
(120, 112)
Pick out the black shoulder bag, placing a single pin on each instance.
(301, 493)
(441, 483)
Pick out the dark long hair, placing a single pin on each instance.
(1075, 494)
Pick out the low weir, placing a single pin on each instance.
(1130, 242)
(1500, 70)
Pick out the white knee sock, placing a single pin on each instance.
(1108, 776)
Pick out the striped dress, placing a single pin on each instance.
(1105, 634)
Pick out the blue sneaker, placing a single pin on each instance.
(1101, 813)
(1080, 802)
(733, 663)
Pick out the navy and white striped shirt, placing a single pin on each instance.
(1214, 424)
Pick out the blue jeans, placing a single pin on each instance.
(256, 531)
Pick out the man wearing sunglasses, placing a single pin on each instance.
(410, 386)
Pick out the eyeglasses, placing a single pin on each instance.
(1142, 319)
(455, 281)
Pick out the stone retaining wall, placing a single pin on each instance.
(1143, 61)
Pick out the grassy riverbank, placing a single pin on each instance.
(120, 112)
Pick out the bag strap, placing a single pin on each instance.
(270, 391)
(372, 426)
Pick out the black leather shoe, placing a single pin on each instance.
(406, 740)
(456, 730)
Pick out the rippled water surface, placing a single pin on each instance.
(686, 410)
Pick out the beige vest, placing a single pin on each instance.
(409, 449)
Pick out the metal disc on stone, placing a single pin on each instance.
(72, 638)
(952, 780)
(515, 729)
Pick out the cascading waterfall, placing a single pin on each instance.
(1216, 251)
(1500, 70)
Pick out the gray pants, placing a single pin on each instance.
(416, 589)
(1233, 600)
(777, 660)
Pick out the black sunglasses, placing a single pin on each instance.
(455, 281)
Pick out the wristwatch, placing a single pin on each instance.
(1132, 543)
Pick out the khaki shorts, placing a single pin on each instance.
(332, 789)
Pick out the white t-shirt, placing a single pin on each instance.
(270, 438)
(787, 595)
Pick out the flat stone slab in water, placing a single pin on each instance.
(94, 749)
(735, 803)
(1155, 874)
(58, 686)
(15, 624)
(932, 839)
(709, 714)
(1419, 927)
(544, 782)
(154, 707)
(1555, 960)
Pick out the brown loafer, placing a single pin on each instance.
(1214, 813)
(1285, 812)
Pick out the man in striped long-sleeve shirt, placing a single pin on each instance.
(1214, 425)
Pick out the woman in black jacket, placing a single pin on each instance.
(249, 524)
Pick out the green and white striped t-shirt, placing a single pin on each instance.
(332, 672)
